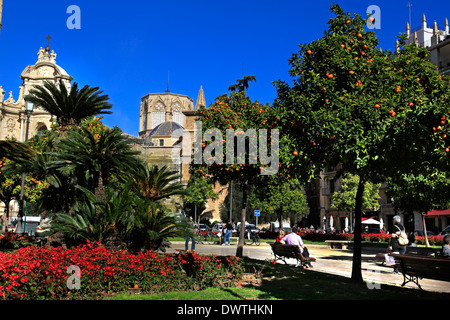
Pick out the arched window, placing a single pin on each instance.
(177, 114)
(41, 130)
(158, 115)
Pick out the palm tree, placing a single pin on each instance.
(152, 225)
(156, 183)
(13, 149)
(69, 107)
(241, 84)
(95, 158)
(107, 222)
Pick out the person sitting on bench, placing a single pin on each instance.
(294, 239)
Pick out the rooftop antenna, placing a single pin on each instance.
(168, 77)
(409, 5)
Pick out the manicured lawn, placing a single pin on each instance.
(280, 282)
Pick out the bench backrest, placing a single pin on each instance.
(286, 250)
(425, 267)
(423, 251)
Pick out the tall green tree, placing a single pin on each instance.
(419, 193)
(69, 107)
(279, 199)
(344, 198)
(233, 155)
(368, 109)
(199, 191)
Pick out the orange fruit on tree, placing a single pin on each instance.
(309, 52)
(377, 106)
(351, 72)
(295, 153)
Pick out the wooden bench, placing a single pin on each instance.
(415, 267)
(282, 251)
(421, 251)
(343, 243)
(380, 258)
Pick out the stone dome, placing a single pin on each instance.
(167, 129)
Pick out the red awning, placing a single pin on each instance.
(445, 212)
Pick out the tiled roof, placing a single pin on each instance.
(166, 129)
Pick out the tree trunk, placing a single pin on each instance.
(427, 244)
(5, 216)
(356, 267)
(240, 247)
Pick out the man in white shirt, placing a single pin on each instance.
(294, 239)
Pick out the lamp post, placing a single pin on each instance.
(28, 110)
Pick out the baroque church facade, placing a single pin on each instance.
(12, 110)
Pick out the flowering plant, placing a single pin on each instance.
(11, 240)
(46, 273)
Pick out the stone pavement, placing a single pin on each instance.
(333, 261)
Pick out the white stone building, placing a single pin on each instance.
(12, 110)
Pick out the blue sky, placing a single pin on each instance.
(128, 48)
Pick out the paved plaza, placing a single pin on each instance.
(333, 261)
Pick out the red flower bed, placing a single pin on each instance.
(42, 273)
(370, 237)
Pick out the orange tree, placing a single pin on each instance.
(231, 144)
(376, 113)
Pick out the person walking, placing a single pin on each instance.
(189, 234)
(395, 245)
(228, 229)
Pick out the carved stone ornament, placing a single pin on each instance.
(10, 124)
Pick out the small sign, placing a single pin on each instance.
(257, 213)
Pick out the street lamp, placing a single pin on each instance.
(28, 110)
